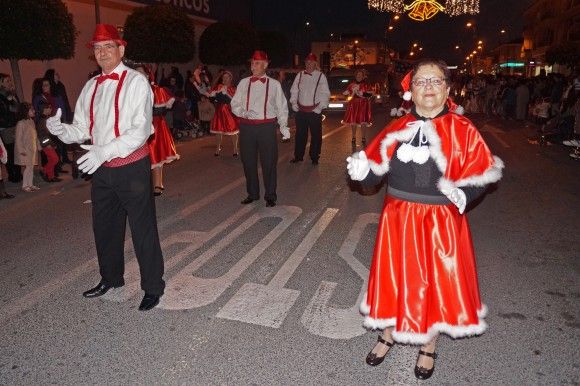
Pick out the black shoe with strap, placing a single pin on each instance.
(375, 360)
(421, 372)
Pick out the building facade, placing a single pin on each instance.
(549, 23)
(74, 72)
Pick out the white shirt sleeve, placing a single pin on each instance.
(238, 103)
(281, 106)
(323, 95)
(78, 130)
(294, 90)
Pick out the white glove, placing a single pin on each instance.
(285, 133)
(54, 125)
(358, 166)
(90, 162)
(295, 107)
(457, 197)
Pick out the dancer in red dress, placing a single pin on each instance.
(358, 110)
(161, 145)
(224, 122)
(423, 278)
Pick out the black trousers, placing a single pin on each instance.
(121, 193)
(305, 121)
(259, 140)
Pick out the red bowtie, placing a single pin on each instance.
(102, 78)
(255, 79)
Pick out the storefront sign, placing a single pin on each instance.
(201, 8)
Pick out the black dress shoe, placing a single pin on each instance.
(296, 160)
(149, 301)
(314, 162)
(99, 290)
(270, 203)
(247, 200)
(373, 359)
(423, 373)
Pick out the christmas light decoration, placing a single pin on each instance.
(421, 10)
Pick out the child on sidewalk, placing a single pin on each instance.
(26, 146)
(48, 146)
(206, 112)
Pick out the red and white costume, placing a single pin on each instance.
(358, 109)
(423, 278)
(224, 121)
(161, 145)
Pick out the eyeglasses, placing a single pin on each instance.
(105, 47)
(422, 82)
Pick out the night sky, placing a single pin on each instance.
(438, 35)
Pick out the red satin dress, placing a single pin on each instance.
(161, 145)
(358, 109)
(423, 277)
(223, 122)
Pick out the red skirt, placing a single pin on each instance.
(223, 121)
(161, 146)
(423, 278)
(358, 111)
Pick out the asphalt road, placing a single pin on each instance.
(269, 296)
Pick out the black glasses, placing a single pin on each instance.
(422, 82)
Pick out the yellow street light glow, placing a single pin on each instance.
(411, 53)
(480, 42)
(420, 48)
(456, 47)
(390, 28)
(502, 31)
(396, 17)
(467, 57)
(356, 42)
(474, 52)
(469, 24)
(415, 44)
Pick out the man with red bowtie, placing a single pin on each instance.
(261, 107)
(114, 111)
(309, 96)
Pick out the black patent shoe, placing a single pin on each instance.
(375, 360)
(101, 289)
(421, 372)
(149, 301)
(247, 200)
(270, 203)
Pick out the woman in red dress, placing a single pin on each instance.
(423, 277)
(224, 122)
(358, 110)
(161, 146)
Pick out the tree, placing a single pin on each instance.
(159, 34)
(35, 30)
(227, 43)
(566, 54)
(276, 46)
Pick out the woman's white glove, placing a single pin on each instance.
(91, 161)
(457, 197)
(54, 125)
(358, 166)
(285, 133)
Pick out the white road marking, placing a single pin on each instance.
(339, 323)
(494, 132)
(267, 305)
(185, 291)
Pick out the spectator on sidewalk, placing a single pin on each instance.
(206, 113)
(26, 146)
(522, 100)
(59, 90)
(8, 111)
(3, 159)
(47, 145)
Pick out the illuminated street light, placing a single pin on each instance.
(502, 31)
(307, 23)
(480, 42)
(390, 28)
(396, 17)
(356, 42)
(474, 52)
(411, 53)
(468, 24)
(415, 44)
(420, 48)
(456, 47)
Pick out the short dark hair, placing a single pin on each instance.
(23, 109)
(440, 64)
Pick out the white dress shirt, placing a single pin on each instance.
(135, 114)
(304, 88)
(276, 106)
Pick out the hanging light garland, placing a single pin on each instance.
(421, 10)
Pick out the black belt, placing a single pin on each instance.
(419, 198)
